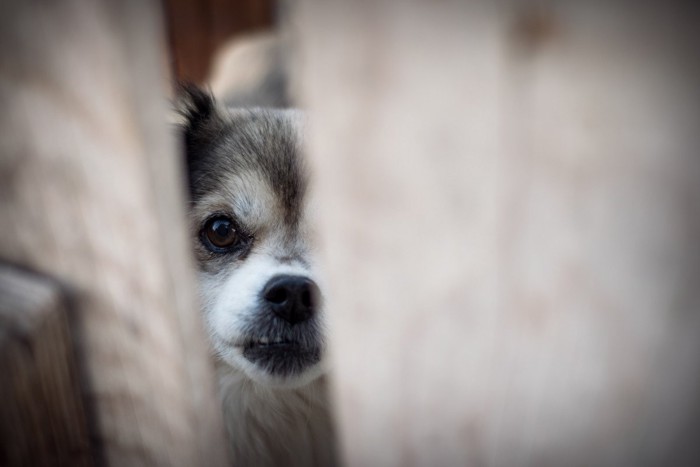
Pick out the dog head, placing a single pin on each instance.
(250, 228)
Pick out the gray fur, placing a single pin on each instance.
(242, 140)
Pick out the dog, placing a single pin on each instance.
(261, 302)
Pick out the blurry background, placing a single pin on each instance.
(196, 30)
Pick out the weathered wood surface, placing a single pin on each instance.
(509, 206)
(42, 417)
(90, 196)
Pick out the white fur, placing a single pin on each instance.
(230, 299)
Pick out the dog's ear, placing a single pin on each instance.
(201, 119)
(196, 106)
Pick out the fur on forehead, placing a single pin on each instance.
(223, 143)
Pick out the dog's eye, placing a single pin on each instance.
(220, 233)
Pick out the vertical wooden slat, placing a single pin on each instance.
(42, 417)
(509, 195)
(90, 196)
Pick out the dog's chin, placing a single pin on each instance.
(276, 365)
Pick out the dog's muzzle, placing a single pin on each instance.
(287, 337)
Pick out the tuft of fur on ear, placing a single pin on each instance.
(195, 105)
(201, 121)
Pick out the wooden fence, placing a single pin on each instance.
(509, 215)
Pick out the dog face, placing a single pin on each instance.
(249, 224)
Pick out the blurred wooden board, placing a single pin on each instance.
(509, 195)
(42, 417)
(92, 196)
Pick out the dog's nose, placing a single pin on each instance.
(292, 298)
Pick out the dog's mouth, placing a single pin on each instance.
(282, 357)
(265, 342)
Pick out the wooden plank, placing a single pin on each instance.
(508, 208)
(42, 417)
(90, 183)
